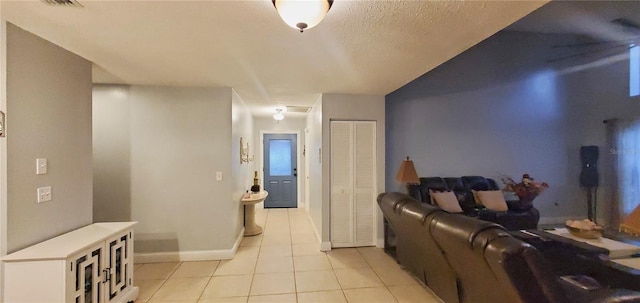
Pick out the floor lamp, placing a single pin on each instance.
(407, 173)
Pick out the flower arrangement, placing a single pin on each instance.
(525, 189)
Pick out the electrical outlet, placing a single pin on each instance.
(44, 194)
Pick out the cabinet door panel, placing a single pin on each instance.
(86, 276)
(120, 264)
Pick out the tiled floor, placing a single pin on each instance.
(283, 265)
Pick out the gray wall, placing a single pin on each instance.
(350, 107)
(178, 138)
(289, 124)
(501, 108)
(48, 115)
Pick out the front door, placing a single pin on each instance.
(280, 170)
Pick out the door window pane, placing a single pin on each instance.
(280, 157)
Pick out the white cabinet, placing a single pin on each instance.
(353, 183)
(93, 264)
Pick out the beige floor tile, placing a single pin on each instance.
(333, 296)
(243, 266)
(228, 286)
(180, 289)
(247, 252)
(195, 269)
(251, 241)
(286, 298)
(303, 238)
(225, 300)
(276, 231)
(136, 266)
(155, 271)
(306, 249)
(413, 294)
(181, 301)
(273, 222)
(273, 283)
(275, 251)
(307, 281)
(346, 258)
(372, 253)
(381, 263)
(306, 263)
(276, 240)
(357, 278)
(391, 276)
(147, 288)
(369, 295)
(274, 264)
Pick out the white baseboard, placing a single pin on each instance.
(325, 246)
(193, 255)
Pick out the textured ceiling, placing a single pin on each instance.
(361, 47)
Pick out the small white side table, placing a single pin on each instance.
(250, 226)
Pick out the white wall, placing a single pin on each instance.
(314, 163)
(337, 107)
(111, 153)
(241, 126)
(178, 139)
(290, 124)
(501, 108)
(48, 107)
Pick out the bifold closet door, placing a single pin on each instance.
(353, 183)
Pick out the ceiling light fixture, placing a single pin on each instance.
(278, 116)
(302, 14)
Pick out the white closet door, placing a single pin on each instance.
(365, 181)
(353, 183)
(341, 183)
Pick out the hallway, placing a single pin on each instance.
(284, 264)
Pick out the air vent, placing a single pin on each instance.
(298, 109)
(63, 3)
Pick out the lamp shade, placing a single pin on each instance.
(407, 173)
(302, 14)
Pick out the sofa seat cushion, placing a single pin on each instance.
(492, 199)
(446, 200)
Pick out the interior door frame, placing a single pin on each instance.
(299, 203)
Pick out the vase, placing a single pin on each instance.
(525, 202)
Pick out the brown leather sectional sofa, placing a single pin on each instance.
(467, 260)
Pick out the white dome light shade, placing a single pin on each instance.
(302, 14)
(278, 116)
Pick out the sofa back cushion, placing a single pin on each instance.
(436, 184)
(416, 249)
(515, 263)
(463, 240)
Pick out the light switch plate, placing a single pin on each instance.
(219, 176)
(41, 166)
(44, 194)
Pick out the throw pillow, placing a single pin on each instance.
(446, 200)
(492, 199)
